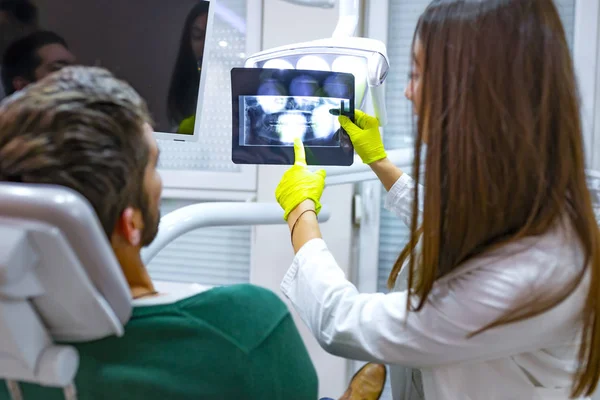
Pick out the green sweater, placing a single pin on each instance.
(235, 342)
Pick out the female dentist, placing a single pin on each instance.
(503, 286)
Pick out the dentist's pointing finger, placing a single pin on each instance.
(299, 153)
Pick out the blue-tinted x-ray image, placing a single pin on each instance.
(273, 107)
(278, 120)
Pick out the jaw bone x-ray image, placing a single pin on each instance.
(278, 120)
(306, 109)
(272, 107)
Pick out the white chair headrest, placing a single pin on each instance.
(59, 280)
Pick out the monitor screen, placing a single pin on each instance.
(157, 46)
(273, 107)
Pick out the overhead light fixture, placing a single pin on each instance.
(365, 58)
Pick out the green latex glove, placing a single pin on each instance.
(299, 183)
(365, 136)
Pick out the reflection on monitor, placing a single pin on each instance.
(157, 46)
(272, 107)
(278, 120)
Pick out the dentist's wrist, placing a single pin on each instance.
(381, 163)
(375, 156)
(304, 225)
(300, 211)
(387, 172)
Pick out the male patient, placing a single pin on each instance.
(84, 129)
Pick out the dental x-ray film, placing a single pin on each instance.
(272, 107)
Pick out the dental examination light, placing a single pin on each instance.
(365, 58)
(205, 215)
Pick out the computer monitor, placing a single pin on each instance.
(158, 46)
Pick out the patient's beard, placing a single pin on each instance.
(151, 221)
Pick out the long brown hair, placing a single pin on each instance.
(500, 111)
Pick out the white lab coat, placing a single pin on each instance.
(532, 359)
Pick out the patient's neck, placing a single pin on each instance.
(135, 272)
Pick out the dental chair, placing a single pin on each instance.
(59, 282)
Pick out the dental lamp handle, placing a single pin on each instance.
(348, 20)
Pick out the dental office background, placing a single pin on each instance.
(364, 238)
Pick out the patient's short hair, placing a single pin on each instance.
(81, 128)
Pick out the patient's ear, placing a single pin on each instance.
(20, 83)
(128, 229)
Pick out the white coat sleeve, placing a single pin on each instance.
(377, 327)
(400, 198)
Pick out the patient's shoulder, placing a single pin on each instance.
(240, 299)
(244, 314)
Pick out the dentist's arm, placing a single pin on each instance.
(387, 172)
